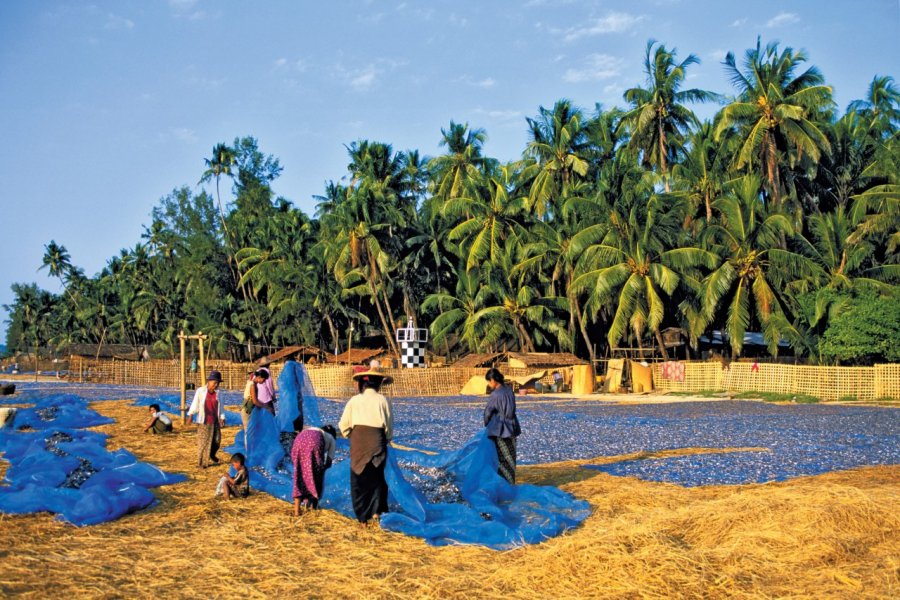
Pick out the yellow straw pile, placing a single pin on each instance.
(834, 535)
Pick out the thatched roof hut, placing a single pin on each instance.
(356, 356)
(120, 351)
(543, 360)
(287, 352)
(475, 360)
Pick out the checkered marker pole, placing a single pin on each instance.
(412, 345)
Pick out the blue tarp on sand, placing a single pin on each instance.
(452, 497)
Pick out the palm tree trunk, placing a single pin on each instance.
(663, 166)
(584, 333)
(662, 345)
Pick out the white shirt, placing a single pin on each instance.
(198, 406)
(369, 408)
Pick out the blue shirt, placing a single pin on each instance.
(500, 414)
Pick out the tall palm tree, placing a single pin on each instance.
(485, 222)
(777, 112)
(842, 265)
(638, 266)
(458, 172)
(658, 119)
(755, 270)
(58, 262)
(555, 156)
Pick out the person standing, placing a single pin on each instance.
(502, 423)
(265, 390)
(368, 421)
(210, 419)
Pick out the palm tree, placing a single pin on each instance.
(59, 264)
(881, 106)
(459, 172)
(698, 178)
(554, 156)
(658, 119)
(776, 112)
(220, 164)
(638, 265)
(841, 264)
(489, 219)
(754, 269)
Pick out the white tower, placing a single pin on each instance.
(412, 345)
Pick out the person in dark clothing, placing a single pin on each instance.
(502, 423)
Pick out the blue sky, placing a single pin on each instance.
(105, 107)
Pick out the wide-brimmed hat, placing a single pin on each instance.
(214, 376)
(373, 372)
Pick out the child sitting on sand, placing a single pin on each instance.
(239, 484)
(160, 422)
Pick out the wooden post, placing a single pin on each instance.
(202, 337)
(181, 378)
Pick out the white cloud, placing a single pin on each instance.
(280, 62)
(183, 134)
(363, 79)
(739, 22)
(182, 5)
(717, 55)
(487, 82)
(458, 21)
(117, 22)
(783, 18)
(185, 9)
(502, 116)
(614, 22)
(596, 67)
(366, 77)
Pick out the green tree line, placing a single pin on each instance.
(778, 215)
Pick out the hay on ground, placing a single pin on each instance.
(834, 535)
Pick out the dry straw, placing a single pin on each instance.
(835, 535)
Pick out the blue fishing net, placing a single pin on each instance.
(56, 466)
(453, 497)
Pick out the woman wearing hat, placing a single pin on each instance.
(368, 421)
(210, 419)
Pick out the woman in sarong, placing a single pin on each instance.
(368, 421)
(502, 423)
(210, 419)
(311, 454)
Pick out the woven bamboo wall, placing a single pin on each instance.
(827, 383)
(698, 376)
(334, 381)
(887, 381)
(157, 373)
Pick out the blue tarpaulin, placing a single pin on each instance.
(445, 498)
(56, 466)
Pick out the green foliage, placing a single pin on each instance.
(864, 332)
(777, 215)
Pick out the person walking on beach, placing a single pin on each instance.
(368, 421)
(311, 454)
(210, 419)
(502, 423)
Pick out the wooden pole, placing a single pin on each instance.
(202, 337)
(181, 378)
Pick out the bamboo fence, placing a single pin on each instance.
(826, 383)
(335, 381)
(330, 381)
